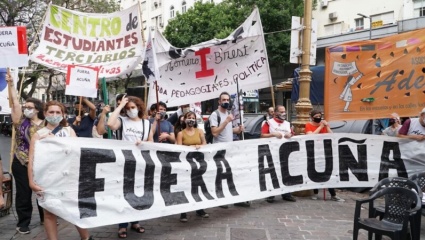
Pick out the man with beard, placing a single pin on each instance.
(279, 128)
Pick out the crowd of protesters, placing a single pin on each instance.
(34, 121)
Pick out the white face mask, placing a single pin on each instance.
(132, 113)
(54, 120)
(29, 113)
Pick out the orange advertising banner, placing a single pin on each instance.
(373, 79)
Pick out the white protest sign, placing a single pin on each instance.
(13, 47)
(201, 72)
(102, 182)
(111, 42)
(81, 81)
(344, 69)
(4, 93)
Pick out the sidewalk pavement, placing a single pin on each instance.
(304, 219)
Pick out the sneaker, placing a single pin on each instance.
(337, 199)
(224, 206)
(289, 198)
(183, 217)
(315, 197)
(243, 204)
(202, 213)
(270, 199)
(23, 230)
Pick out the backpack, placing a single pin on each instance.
(207, 127)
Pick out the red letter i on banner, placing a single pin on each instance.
(204, 71)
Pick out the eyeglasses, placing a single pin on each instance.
(29, 108)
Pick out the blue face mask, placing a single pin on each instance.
(225, 105)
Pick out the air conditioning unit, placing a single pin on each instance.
(324, 3)
(333, 15)
(161, 24)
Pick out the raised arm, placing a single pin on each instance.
(101, 129)
(92, 107)
(113, 122)
(16, 107)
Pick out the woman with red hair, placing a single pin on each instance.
(56, 126)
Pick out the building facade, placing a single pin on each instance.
(157, 13)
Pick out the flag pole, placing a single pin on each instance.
(144, 45)
(106, 101)
(240, 100)
(157, 108)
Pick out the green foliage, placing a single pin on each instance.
(203, 22)
(207, 21)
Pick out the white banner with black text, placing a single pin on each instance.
(96, 182)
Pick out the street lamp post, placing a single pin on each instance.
(370, 24)
(303, 106)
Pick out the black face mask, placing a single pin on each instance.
(317, 120)
(225, 105)
(190, 122)
(76, 112)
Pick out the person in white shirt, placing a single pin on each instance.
(134, 128)
(280, 128)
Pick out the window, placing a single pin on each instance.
(359, 23)
(333, 29)
(184, 7)
(383, 18)
(143, 4)
(419, 8)
(172, 12)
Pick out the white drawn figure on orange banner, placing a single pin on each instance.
(349, 70)
(346, 94)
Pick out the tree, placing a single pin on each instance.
(30, 13)
(205, 21)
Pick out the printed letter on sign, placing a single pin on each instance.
(204, 71)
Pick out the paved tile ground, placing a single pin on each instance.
(304, 219)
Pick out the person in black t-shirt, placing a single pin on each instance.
(83, 124)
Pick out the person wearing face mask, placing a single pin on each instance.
(191, 136)
(317, 126)
(159, 124)
(414, 128)
(26, 123)
(224, 131)
(83, 124)
(134, 128)
(279, 128)
(393, 127)
(56, 126)
(183, 109)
